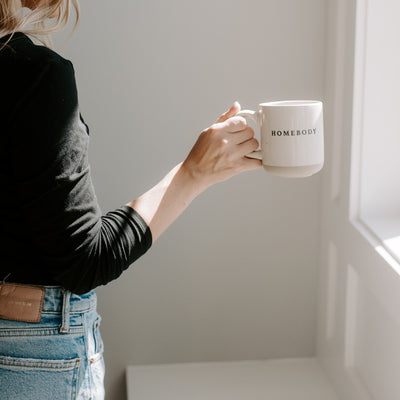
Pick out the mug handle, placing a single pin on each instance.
(255, 116)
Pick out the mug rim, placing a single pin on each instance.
(291, 103)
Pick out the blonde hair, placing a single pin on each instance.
(14, 17)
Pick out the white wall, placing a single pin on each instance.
(235, 277)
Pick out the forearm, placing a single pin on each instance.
(165, 202)
(219, 153)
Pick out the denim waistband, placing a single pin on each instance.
(56, 297)
(58, 300)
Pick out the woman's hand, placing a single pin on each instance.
(220, 151)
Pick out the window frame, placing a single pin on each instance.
(380, 228)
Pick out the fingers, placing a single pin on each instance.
(242, 150)
(249, 164)
(235, 124)
(234, 130)
(241, 136)
(235, 108)
(231, 125)
(241, 141)
(248, 146)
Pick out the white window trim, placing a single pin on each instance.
(382, 232)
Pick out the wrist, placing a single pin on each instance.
(191, 179)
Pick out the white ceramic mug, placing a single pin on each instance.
(292, 137)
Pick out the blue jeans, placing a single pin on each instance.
(59, 358)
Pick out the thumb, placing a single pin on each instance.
(235, 108)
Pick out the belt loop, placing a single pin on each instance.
(65, 311)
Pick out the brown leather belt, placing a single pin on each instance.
(21, 302)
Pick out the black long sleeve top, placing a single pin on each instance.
(52, 231)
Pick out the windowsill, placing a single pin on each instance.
(386, 230)
(283, 379)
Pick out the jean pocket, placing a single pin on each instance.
(28, 378)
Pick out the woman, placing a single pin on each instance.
(56, 247)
